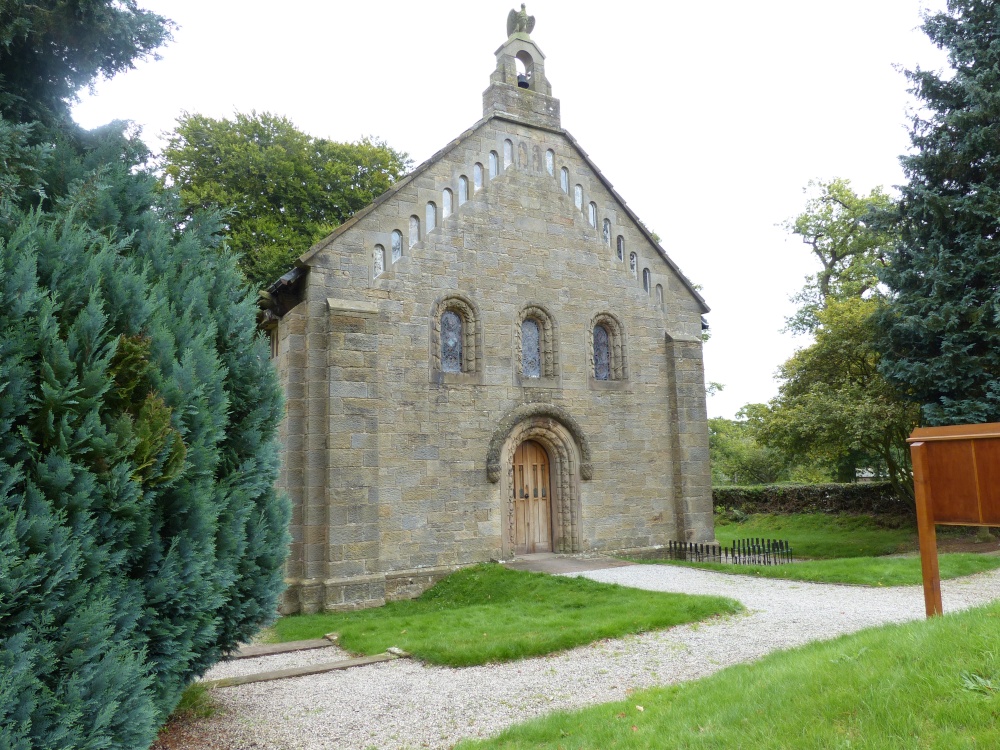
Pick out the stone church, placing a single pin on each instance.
(494, 359)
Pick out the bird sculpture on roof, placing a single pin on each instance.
(519, 22)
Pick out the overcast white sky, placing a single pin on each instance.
(708, 117)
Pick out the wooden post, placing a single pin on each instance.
(926, 530)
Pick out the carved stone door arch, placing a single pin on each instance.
(568, 456)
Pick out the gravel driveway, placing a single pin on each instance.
(404, 704)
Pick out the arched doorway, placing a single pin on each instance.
(568, 454)
(532, 499)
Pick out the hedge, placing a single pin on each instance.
(867, 497)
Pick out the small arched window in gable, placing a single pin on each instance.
(607, 232)
(564, 179)
(431, 213)
(397, 245)
(414, 230)
(378, 261)
(477, 176)
(446, 203)
(578, 197)
(508, 153)
(452, 335)
(463, 189)
(531, 349)
(646, 280)
(550, 162)
(659, 296)
(633, 265)
(494, 164)
(592, 214)
(621, 247)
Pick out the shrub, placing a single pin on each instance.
(140, 535)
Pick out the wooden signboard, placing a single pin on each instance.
(956, 481)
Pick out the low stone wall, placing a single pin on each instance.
(867, 497)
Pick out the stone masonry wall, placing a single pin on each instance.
(405, 493)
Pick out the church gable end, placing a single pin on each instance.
(498, 316)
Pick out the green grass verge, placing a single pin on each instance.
(196, 703)
(488, 613)
(820, 535)
(927, 684)
(862, 571)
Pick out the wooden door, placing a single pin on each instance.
(532, 499)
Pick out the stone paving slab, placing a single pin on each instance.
(550, 562)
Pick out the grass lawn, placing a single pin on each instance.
(821, 535)
(926, 684)
(864, 571)
(488, 613)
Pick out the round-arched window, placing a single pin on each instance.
(602, 353)
(451, 341)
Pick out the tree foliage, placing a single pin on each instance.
(140, 534)
(842, 230)
(50, 50)
(942, 328)
(738, 458)
(282, 189)
(834, 406)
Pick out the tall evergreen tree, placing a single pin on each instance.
(140, 534)
(942, 329)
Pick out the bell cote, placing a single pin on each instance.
(518, 86)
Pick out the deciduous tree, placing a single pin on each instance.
(833, 404)
(834, 407)
(844, 234)
(281, 189)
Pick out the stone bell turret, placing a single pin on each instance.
(518, 86)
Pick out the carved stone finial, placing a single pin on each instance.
(519, 21)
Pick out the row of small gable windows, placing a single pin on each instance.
(633, 258)
(416, 232)
(379, 260)
(448, 208)
(457, 347)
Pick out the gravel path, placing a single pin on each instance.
(403, 704)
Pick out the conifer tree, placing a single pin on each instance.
(141, 538)
(942, 329)
(140, 535)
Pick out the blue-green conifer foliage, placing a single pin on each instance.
(141, 537)
(942, 326)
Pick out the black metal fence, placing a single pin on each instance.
(743, 552)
